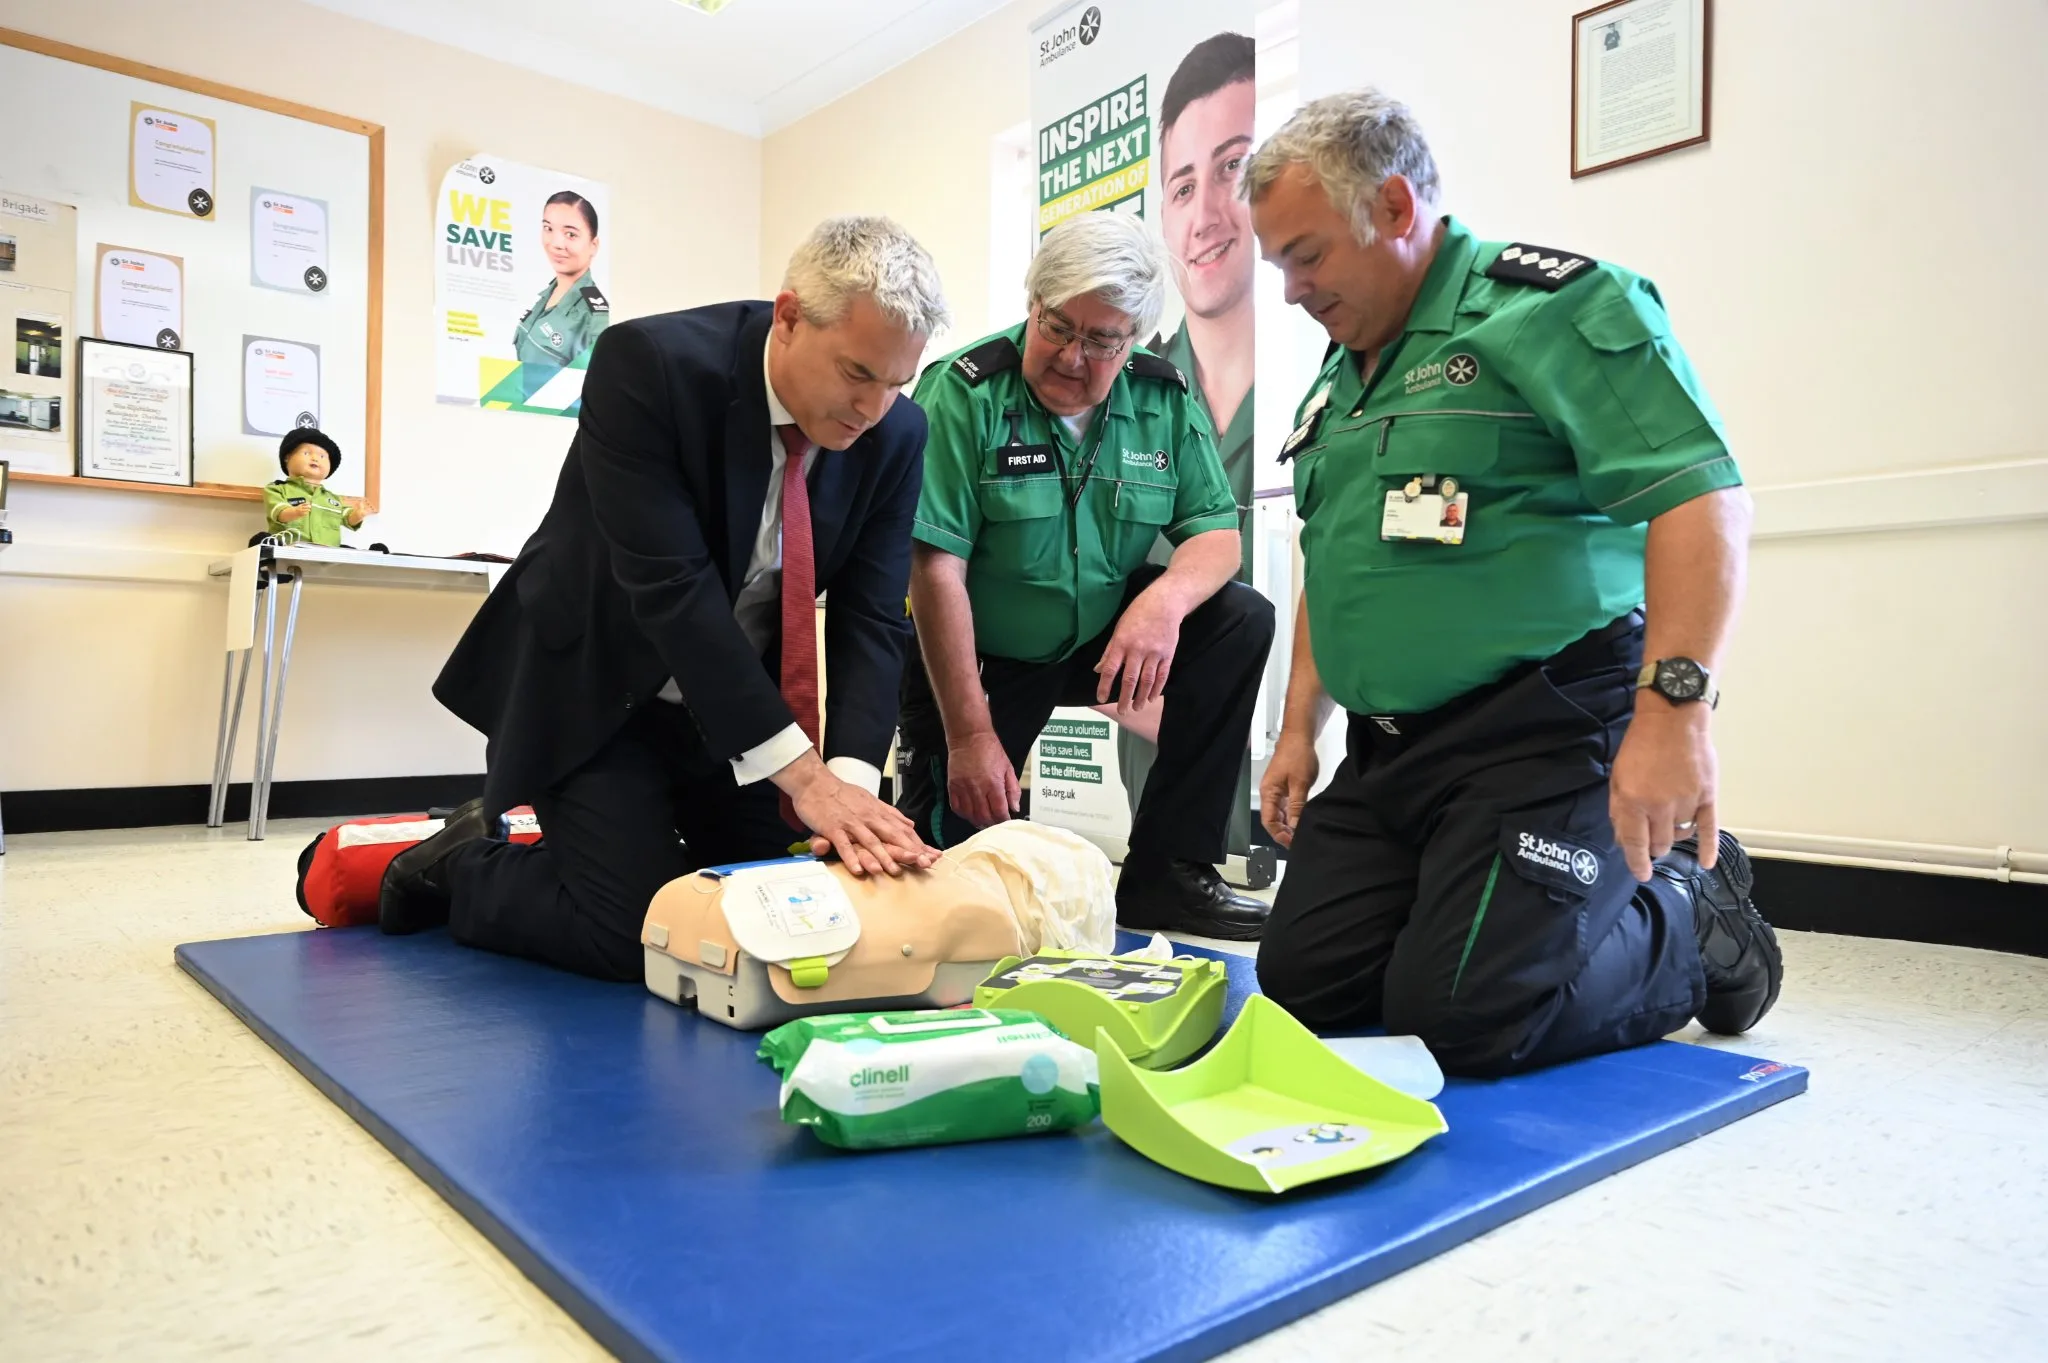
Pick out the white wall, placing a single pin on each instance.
(1854, 263)
(914, 144)
(116, 683)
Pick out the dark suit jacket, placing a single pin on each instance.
(631, 578)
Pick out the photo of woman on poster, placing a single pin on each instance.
(569, 313)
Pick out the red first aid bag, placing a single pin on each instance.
(341, 871)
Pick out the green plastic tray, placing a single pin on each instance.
(1157, 1012)
(1269, 1109)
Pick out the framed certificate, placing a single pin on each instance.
(1642, 76)
(134, 413)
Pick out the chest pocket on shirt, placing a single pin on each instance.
(1141, 511)
(1466, 448)
(1025, 530)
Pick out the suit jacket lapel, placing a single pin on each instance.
(746, 451)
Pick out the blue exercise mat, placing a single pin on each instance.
(628, 1158)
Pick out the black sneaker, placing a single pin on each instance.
(1738, 950)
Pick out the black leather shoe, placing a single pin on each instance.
(414, 895)
(1738, 950)
(1158, 895)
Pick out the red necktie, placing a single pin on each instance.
(799, 599)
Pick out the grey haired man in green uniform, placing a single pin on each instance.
(1524, 538)
(1058, 454)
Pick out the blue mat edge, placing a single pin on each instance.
(1205, 1341)
(580, 1308)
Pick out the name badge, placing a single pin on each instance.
(1416, 515)
(1022, 459)
(1311, 422)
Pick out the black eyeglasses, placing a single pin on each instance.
(1062, 333)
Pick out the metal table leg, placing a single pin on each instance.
(266, 588)
(259, 785)
(224, 741)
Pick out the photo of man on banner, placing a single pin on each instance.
(1203, 138)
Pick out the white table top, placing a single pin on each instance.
(355, 567)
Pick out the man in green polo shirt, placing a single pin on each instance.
(1058, 453)
(1505, 456)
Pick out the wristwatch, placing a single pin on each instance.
(1679, 680)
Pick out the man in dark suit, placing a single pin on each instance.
(646, 671)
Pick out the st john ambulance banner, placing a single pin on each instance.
(1145, 107)
(520, 284)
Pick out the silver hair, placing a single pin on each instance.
(852, 257)
(1352, 143)
(1111, 255)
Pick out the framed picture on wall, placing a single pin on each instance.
(1642, 81)
(134, 413)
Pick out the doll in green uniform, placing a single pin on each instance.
(569, 313)
(299, 502)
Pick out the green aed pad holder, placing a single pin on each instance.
(1157, 1013)
(1269, 1109)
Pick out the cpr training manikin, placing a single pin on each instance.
(754, 946)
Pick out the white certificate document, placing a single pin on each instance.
(280, 385)
(170, 161)
(141, 298)
(138, 416)
(287, 242)
(1641, 70)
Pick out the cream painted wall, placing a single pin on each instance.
(116, 683)
(1853, 263)
(913, 144)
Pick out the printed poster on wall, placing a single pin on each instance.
(280, 386)
(287, 242)
(38, 271)
(1147, 108)
(520, 285)
(170, 161)
(140, 297)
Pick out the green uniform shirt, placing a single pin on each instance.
(325, 516)
(1550, 386)
(559, 334)
(1044, 575)
(1235, 448)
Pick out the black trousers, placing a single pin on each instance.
(1185, 808)
(651, 805)
(1458, 880)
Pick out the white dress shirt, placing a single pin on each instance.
(759, 614)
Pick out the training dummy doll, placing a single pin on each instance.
(755, 946)
(298, 503)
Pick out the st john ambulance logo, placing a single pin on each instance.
(1091, 25)
(1461, 369)
(1558, 857)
